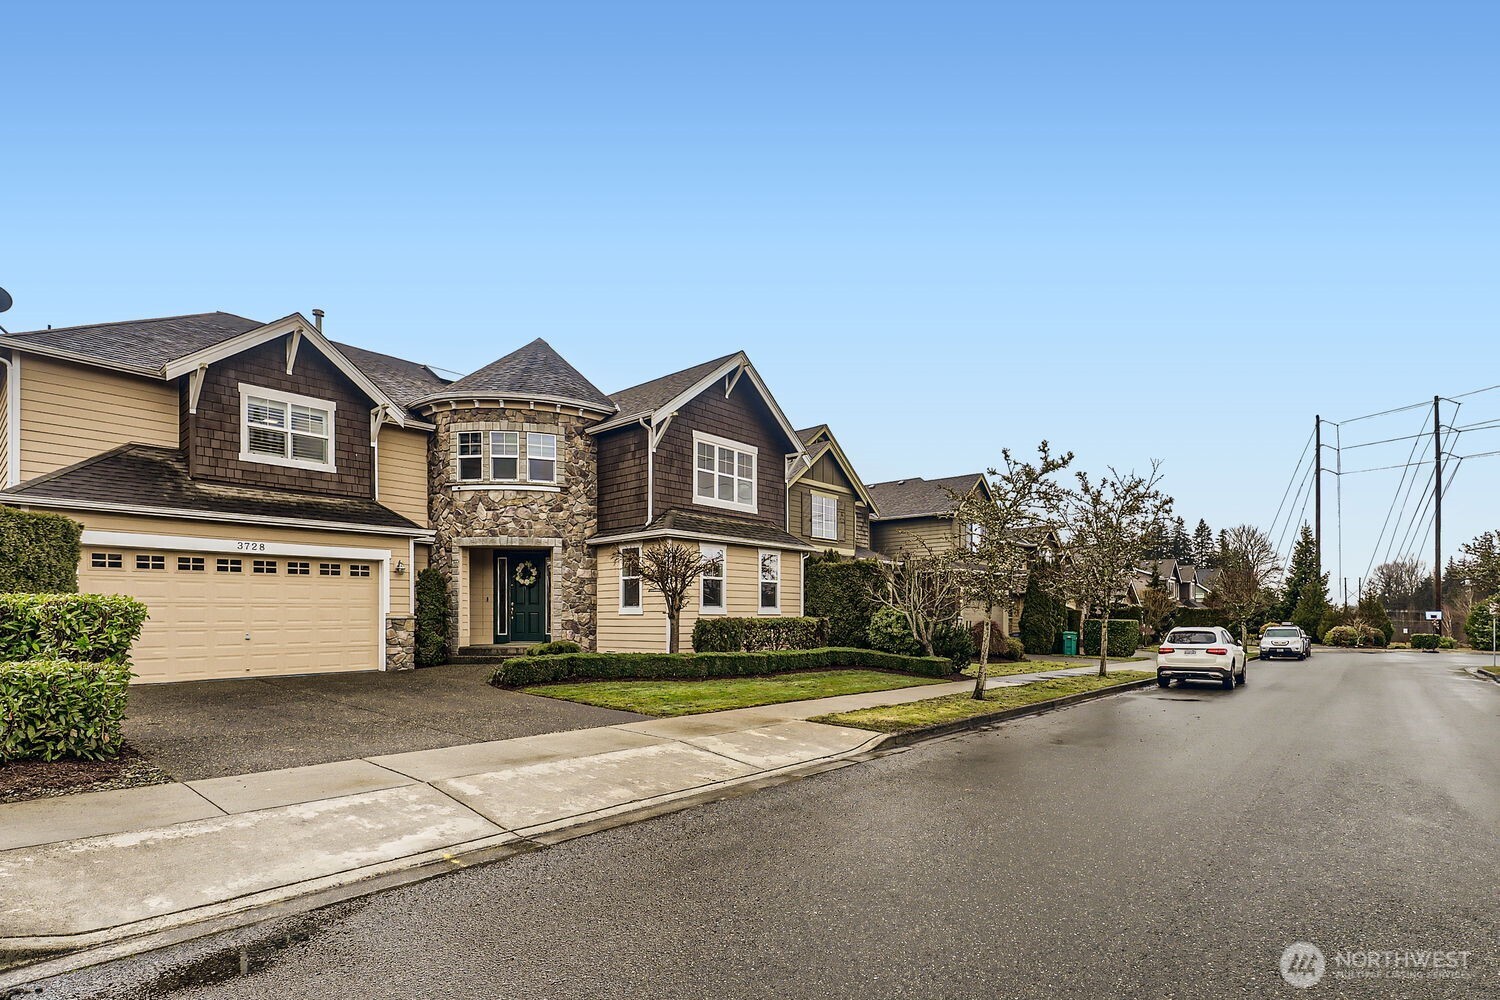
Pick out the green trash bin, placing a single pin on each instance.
(1070, 643)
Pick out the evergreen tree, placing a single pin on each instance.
(1311, 610)
(1180, 543)
(1372, 611)
(1302, 573)
(1204, 545)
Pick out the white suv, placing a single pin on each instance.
(1285, 639)
(1200, 654)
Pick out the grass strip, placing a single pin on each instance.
(953, 708)
(667, 699)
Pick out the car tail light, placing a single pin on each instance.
(1166, 649)
(1217, 651)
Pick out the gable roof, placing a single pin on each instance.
(920, 497)
(155, 480)
(648, 397)
(533, 372)
(818, 440)
(404, 381)
(144, 346)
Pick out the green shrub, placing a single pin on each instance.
(38, 553)
(954, 643)
(842, 591)
(524, 671)
(1424, 640)
(1480, 626)
(1447, 642)
(1348, 636)
(79, 628)
(758, 635)
(433, 612)
(889, 633)
(1332, 618)
(50, 709)
(1042, 620)
(1124, 637)
(557, 648)
(1002, 646)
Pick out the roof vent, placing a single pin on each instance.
(318, 319)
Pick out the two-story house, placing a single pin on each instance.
(828, 505)
(271, 495)
(917, 514)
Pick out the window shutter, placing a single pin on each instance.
(807, 505)
(845, 510)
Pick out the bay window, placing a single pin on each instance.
(505, 454)
(541, 458)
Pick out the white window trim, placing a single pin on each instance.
(280, 396)
(753, 506)
(486, 457)
(704, 549)
(759, 579)
(487, 451)
(641, 607)
(458, 457)
(829, 498)
(556, 458)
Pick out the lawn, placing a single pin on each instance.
(672, 698)
(952, 708)
(1001, 668)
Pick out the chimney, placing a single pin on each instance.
(318, 319)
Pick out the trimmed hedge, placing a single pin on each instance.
(1124, 637)
(842, 592)
(558, 648)
(1424, 640)
(432, 613)
(524, 671)
(758, 635)
(78, 628)
(38, 553)
(50, 709)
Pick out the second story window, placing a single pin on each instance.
(973, 536)
(825, 517)
(282, 428)
(470, 456)
(505, 454)
(724, 473)
(541, 458)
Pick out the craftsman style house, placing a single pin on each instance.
(916, 514)
(271, 495)
(828, 506)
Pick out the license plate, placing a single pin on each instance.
(1190, 652)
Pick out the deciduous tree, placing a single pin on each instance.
(671, 568)
(1248, 568)
(927, 587)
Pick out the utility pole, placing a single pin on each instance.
(1437, 516)
(1318, 490)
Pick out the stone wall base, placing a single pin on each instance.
(400, 642)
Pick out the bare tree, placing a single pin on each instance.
(1157, 603)
(1109, 527)
(671, 568)
(926, 587)
(1402, 584)
(1248, 569)
(1002, 529)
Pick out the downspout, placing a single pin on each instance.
(12, 419)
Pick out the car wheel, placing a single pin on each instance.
(1163, 681)
(1244, 674)
(1228, 680)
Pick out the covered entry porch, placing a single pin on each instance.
(507, 599)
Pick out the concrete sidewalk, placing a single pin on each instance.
(82, 870)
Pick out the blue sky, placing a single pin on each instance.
(1170, 230)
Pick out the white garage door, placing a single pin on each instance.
(216, 615)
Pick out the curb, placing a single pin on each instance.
(1021, 711)
(1491, 674)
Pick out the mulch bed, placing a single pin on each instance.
(35, 779)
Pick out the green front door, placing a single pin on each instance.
(527, 584)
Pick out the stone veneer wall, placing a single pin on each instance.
(569, 515)
(400, 642)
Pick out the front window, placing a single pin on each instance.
(973, 536)
(724, 473)
(825, 517)
(711, 584)
(770, 582)
(505, 454)
(630, 579)
(285, 429)
(470, 455)
(541, 458)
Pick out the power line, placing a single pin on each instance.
(1392, 508)
(1295, 469)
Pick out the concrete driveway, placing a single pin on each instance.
(210, 729)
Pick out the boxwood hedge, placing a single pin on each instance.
(38, 552)
(523, 671)
(757, 635)
(51, 709)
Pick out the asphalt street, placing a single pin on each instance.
(1162, 843)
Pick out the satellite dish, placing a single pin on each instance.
(5, 300)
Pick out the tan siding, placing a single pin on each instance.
(73, 412)
(481, 597)
(891, 537)
(647, 632)
(403, 472)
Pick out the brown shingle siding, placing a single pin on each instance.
(742, 417)
(623, 455)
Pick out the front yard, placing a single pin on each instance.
(954, 708)
(667, 698)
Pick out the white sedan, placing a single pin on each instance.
(1200, 654)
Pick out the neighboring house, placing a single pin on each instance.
(919, 513)
(701, 456)
(260, 488)
(1188, 584)
(828, 506)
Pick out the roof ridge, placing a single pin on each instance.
(127, 322)
(681, 371)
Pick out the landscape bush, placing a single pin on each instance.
(1042, 620)
(38, 553)
(1447, 642)
(1002, 646)
(432, 612)
(1124, 637)
(890, 633)
(524, 671)
(757, 635)
(1480, 626)
(557, 648)
(954, 643)
(842, 591)
(1348, 636)
(1424, 640)
(51, 709)
(77, 628)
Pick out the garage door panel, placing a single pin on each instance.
(199, 620)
